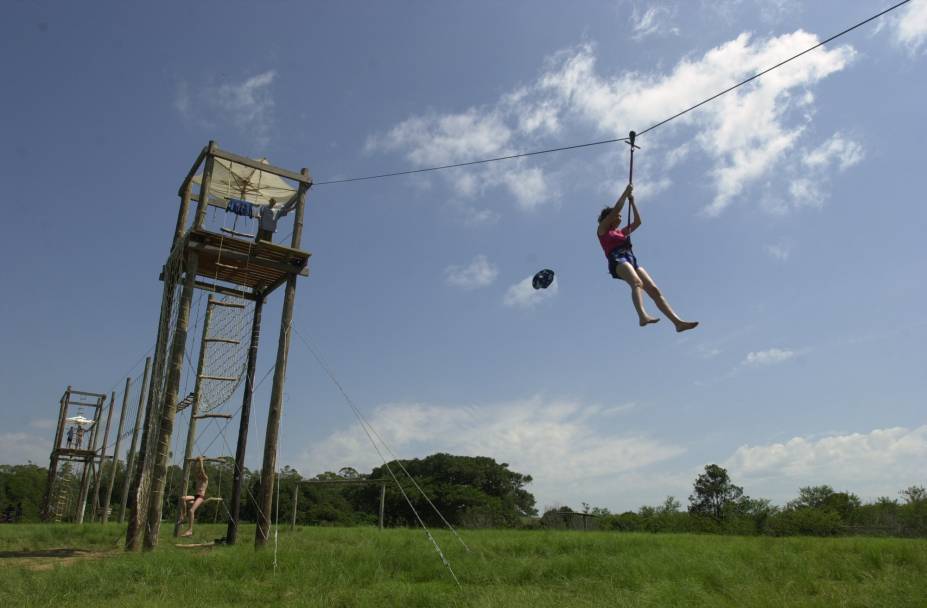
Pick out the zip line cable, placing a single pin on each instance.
(619, 139)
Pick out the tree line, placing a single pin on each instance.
(478, 492)
(717, 505)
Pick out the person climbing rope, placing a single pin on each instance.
(622, 264)
(192, 503)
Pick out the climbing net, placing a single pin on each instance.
(226, 350)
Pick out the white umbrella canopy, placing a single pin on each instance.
(234, 181)
(79, 420)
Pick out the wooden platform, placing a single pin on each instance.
(261, 266)
(73, 453)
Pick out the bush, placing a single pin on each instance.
(804, 521)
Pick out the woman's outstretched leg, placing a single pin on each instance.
(657, 296)
(626, 272)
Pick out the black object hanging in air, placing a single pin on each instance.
(543, 279)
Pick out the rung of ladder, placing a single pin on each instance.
(230, 266)
(227, 304)
(226, 416)
(233, 233)
(223, 340)
(220, 378)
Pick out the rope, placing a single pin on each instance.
(616, 140)
(365, 426)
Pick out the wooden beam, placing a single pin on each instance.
(192, 171)
(226, 304)
(303, 178)
(225, 416)
(94, 395)
(226, 291)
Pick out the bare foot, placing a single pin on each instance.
(686, 325)
(649, 320)
(188, 533)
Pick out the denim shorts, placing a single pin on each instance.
(619, 256)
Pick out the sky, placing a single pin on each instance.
(787, 217)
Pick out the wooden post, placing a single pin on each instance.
(99, 472)
(382, 503)
(141, 476)
(169, 409)
(194, 410)
(130, 460)
(84, 489)
(231, 534)
(182, 214)
(269, 465)
(204, 186)
(295, 505)
(115, 465)
(53, 459)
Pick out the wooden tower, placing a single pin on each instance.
(230, 263)
(72, 444)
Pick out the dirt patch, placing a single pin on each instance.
(46, 559)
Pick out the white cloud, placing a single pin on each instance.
(43, 424)
(838, 151)
(772, 356)
(749, 135)
(524, 295)
(880, 462)
(20, 448)
(478, 273)
(779, 251)
(655, 20)
(248, 105)
(563, 444)
(910, 27)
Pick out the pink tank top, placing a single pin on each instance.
(613, 239)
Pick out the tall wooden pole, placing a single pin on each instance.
(265, 499)
(295, 505)
(53, 459)
(382, 504)
(99, 472)
(231, 534)
(194, 411)
(182, 214)
(115, 465)
(141, 475)
(204, 186)
(169, 409)
(130, 460)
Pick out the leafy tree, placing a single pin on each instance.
(813, 497)
(714, 494)
(475, 490)
(913, 494)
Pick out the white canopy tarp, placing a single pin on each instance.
(234, 181)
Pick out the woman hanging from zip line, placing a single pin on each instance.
(616, 243)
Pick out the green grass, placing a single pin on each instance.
(335, 567)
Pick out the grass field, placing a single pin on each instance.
(64, 565)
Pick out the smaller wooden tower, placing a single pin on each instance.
(76, 436)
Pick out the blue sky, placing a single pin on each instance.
(786, 217)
